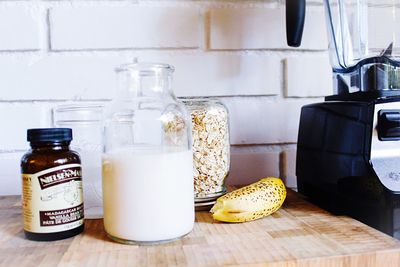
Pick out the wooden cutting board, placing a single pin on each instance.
(299, 234)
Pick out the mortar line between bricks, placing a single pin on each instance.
(33, 101)
(20, 51)
(262, 148)
(227, 97)
(198, 3)
(104, 100)
(48, 30)
(124, 49)
(205, 25)
(285, 50)
(12, 151)
(200, 49)
(272, 4)
(266, 144)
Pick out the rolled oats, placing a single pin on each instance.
(211, 147)
(174, 128)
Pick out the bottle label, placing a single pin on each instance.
(52, 199)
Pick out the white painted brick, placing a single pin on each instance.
(10, 173)
(262, 121)
(222, 74)
(288, 165)
(71, 76)
(262, 28)
(247, 168)
(19, 28)
(308, 76)
(16, 118)
(103, 27)
(58, 77)
(315, 35)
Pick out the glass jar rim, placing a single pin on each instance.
(78, 113)
(199, 99)
(79, 107)
(146, 68)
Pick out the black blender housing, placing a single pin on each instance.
(334, 164)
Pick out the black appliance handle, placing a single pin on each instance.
(295, 16)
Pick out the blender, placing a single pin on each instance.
(348, 150)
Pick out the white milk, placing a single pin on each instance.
(148, 195)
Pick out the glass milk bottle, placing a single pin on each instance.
(147, 163)
(86, 121)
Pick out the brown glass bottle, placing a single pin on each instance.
(52, 186)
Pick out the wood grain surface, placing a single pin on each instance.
(299, 234)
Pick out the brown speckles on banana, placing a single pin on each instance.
(252, 202)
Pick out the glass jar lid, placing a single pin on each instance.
(146, 68)
(78, 113)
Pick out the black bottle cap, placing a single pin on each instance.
(50, 135)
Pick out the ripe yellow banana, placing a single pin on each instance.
(251, 202)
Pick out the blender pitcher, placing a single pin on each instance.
(364, 44)
(348, 148)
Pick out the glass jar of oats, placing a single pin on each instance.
(211, 149)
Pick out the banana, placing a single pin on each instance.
(251, 202)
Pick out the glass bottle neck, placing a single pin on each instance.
(144, 81)
(49, 146)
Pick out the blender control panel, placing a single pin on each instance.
(385, 144)
(388, 125)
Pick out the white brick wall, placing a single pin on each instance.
(315, 82)
(52, 76)
(261, 28)
(103, 27)
(19, 28)
(262, 120)
(60, 51)
(252, 166)
(16, 118)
